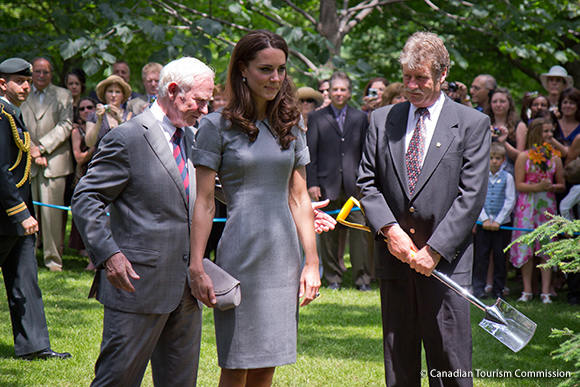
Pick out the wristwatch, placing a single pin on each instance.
(433, 251)
(41, 149)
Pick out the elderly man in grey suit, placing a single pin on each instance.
(48, 114)
(423, 180)
(141, 171)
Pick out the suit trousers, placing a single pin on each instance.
(422, 309)
(171, 341)
(359, 245)
(50, 191)
(20, 271)
(487, 242)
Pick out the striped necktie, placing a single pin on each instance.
(414, 156)
(179, 160)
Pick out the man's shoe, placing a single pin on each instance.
(364, 288)
(46, 354)
(334, 286)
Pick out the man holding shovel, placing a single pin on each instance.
(423, 180)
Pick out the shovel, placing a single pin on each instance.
(502, 321)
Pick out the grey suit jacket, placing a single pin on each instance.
(50, 125)
(135, 174)
(449, 192)
(335, 155)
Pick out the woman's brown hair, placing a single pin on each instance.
(282, 111)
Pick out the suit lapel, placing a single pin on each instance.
(331, 119)
(49, 96)
(396, 128)
(158, 143)
(445, 131)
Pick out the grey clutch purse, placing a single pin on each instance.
(226, 288)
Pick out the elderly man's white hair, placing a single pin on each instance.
(187, 72)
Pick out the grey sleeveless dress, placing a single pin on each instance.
(259, 245)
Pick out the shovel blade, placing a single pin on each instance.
(516, 332)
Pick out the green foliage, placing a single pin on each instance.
(515, 40)
(569, 351)
(563, 253)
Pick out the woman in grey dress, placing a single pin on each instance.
(259, 153)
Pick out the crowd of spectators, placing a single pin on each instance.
(68, 135)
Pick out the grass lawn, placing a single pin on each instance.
(339, 339)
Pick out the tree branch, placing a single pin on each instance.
(302, 12)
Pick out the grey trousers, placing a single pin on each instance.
(171, 341)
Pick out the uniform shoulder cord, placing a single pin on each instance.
(23, 147)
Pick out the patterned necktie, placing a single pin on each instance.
(414, 156)
(340, 120)
(179, 160)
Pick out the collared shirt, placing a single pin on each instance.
(168, 128)
(338, 113)
(16, 108)
(430, 123)
(39, 93)
(510, 199)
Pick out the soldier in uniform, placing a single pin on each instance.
(18, 226)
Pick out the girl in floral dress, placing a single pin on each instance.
(539, 174)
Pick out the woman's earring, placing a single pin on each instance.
(244, 79)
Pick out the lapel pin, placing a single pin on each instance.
(438, 145)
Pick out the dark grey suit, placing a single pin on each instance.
(135, 174)
(335, 156)
(447, 200)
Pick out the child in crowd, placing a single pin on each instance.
(499, 203)
(539, 174)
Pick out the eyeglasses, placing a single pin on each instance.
(41, 72)
(309, 100)
(82, 109)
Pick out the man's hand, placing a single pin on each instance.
(494, 226)
(399, 243)
(202, 288)
(424, 261)
(486, 224)
(41, 161)
(314, 193)
(322, 221)
(34, 151)
(30, 225)
(118, 270)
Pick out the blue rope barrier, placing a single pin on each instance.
(222, 220)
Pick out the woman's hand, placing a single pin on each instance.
(116, 112)
(503, 133)
(370, 103)
(544, 185)
(100, 110)
(202, 288)
(309, 284)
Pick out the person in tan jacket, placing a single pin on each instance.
(48, 116)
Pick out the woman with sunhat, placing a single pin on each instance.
(114, 91)
(309, 99)
(555, 82)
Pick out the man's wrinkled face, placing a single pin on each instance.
(41, 74)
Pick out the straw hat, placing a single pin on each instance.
(557, 71)
(113, 79)
(309, 93)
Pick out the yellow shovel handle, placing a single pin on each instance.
(341, 217)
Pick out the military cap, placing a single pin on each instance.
(16, 66)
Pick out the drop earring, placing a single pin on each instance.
(244, 79)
